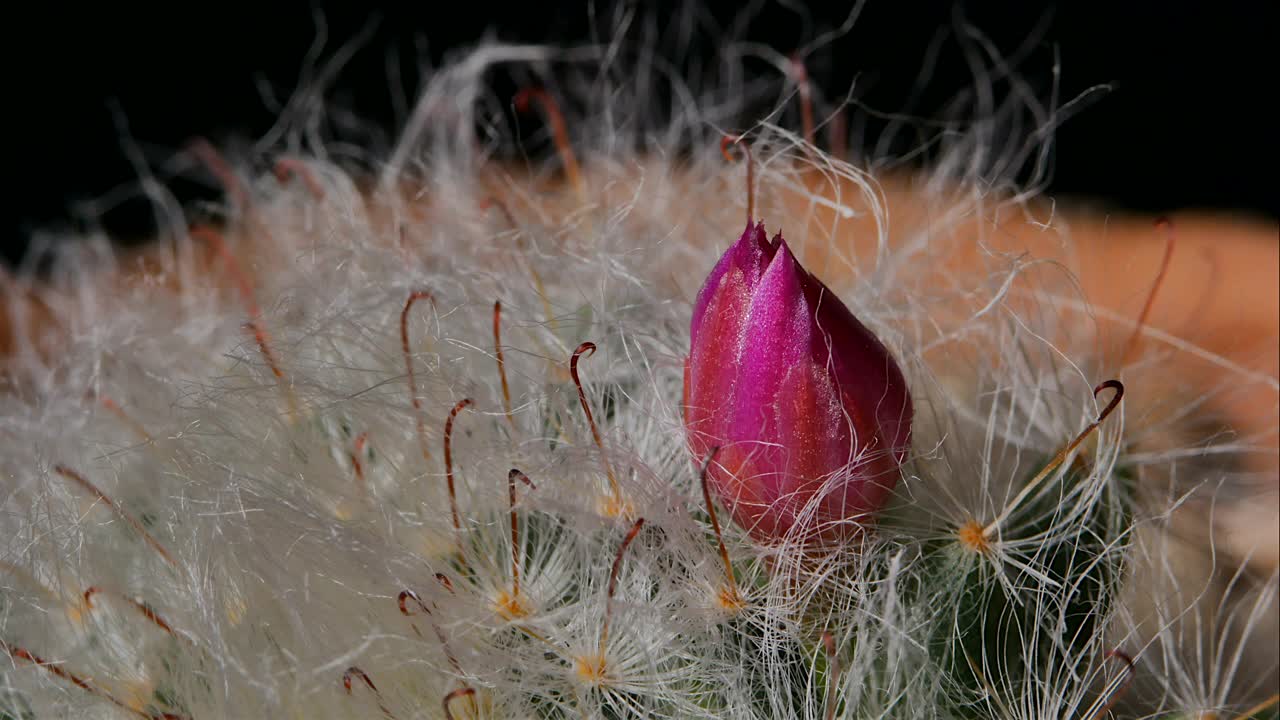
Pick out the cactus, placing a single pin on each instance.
(330, 478)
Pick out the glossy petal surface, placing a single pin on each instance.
(810, 410)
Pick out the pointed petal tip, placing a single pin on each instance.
(778, 248)
(756, 234)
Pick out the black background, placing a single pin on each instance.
(1189, 121)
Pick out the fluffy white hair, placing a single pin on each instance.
(227, 477)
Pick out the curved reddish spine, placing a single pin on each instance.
(254, 325)
(502, 362)
(419, 422)
(515, 527)
(613, 582)
(402, 601)
(589, 349)
(559, 131)
(287, 167)
(448, 699)
(143, 609)
(1114, 385)
(18, 653)
(213, 160)
(448, 469)
(354, 671)
(715, 524)
(1114, 696)
(1170, 240)
(356, 465)
(801, 76)
(80, 480)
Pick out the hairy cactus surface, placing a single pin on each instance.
(419, 442)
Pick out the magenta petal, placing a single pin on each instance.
(785, 404)
(778, 334)
(867, 374)
(808, 407)
(750, 254)
(709, 380)
(814, 426)
(717, 331)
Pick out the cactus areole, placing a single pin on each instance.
(810, 411)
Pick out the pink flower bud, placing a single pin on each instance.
(810, 411)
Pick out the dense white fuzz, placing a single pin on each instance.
(263, 514)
